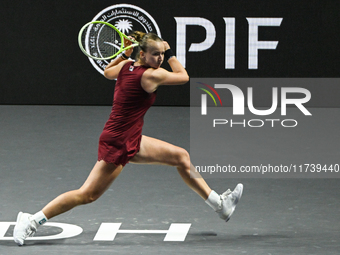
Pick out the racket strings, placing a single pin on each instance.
(108, 42)
(100, 41)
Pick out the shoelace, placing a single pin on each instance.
(30, 231)
(225, 194)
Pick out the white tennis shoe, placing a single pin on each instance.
(229, 201)
(25, 227)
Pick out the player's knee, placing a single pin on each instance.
(87, 197)
(90, 199)
(183, 158)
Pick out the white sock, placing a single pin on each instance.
(39, 218)
(214, 200)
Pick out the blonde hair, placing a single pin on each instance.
(143, 38)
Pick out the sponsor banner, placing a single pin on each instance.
(221, 39)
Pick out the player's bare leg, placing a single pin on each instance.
(99, 180)
(154, 151)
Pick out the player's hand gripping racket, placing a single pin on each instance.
(101, 40)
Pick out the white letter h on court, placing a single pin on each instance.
(176, 232)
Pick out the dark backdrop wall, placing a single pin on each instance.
(42, 64)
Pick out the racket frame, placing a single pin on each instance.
(122, 36)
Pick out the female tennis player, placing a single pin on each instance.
(122, 141)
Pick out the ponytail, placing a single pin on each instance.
(142, 39)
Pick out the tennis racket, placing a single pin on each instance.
(101, 40)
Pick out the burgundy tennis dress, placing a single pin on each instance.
(121, 137)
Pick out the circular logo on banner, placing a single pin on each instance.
(126, 18)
